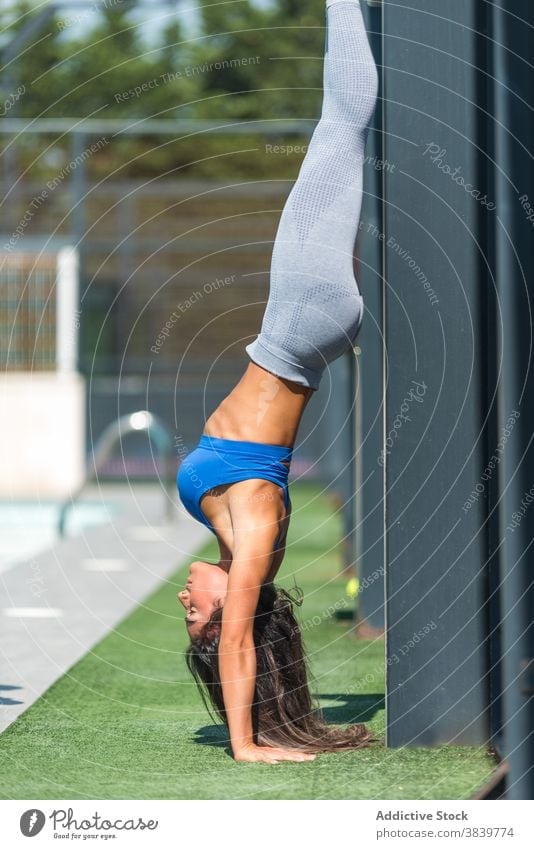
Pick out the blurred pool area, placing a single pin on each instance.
(29, 527)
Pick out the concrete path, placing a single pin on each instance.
(55, 607)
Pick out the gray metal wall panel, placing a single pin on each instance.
(434, 313)
(514, 129)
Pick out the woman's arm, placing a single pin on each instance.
(237, 654)
(279, 554)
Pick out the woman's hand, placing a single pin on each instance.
(268, 755)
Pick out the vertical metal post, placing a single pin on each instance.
(343, 418)
(78, 187)
(514, 127)
(435, 321)
(370, 470)
(66, 310)
(334, 407)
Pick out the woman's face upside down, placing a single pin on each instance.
(204, 591)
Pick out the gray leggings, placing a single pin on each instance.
(315, 308)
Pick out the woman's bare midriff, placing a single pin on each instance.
(261, 408)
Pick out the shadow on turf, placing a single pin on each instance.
(212, 735)
(349, 710)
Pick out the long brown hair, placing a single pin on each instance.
(283, 713)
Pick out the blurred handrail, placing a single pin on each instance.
(159, 126)
(110, 437)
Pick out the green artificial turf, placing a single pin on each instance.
(126, 722)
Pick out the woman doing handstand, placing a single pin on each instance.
(246, 650)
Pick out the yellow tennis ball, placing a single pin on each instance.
(352, 587)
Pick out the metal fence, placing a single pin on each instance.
(27, 312)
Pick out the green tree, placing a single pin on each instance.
(262, 63)
(249, 63)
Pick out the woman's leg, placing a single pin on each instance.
(315, 308)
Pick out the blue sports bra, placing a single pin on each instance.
(216, 461)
